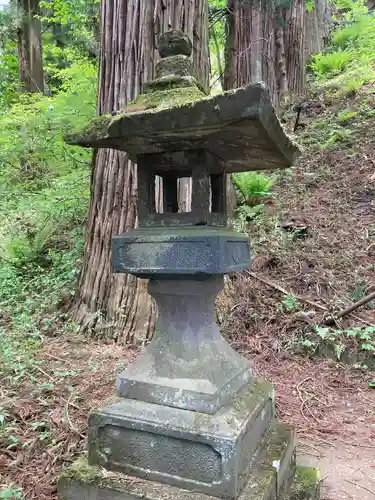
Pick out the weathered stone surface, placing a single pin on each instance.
(173, 72)
(268, 481)
(178, 65)
(212, 454)
(161, 253)
(239, 127)
(209, 200)
(187, 364)
(170, 82)
(174, 42)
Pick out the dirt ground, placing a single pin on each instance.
(347, 471)
(334, 413)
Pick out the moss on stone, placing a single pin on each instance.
(95, 129)
(170, 82)
(178, 65)
(80, 470)
(306, 485)
(151, 102)
(162, 99)
(307, 476)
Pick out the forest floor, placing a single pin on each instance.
(313, 254)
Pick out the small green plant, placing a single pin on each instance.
(251, 187)
(358, 291)
(9, 493)
(337, 340)
(330, 64)
(289, 303)
(360, 366)
(244, 214)
(16, 356)
(345, 117)
(337, 136)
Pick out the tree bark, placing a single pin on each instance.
(118, 306)
(281, 61)
(295, 46)
(229, 80)
(30, 58)
(251, 38)
(273, 44)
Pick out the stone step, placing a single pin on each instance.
(273, 474)
(273, 478)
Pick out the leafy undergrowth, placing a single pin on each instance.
(47, 393)
(44, 191)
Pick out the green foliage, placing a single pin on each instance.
(44, 193)
(348, 62)
(244, 214)
(337, 340)
(217, 12)
(337, 135)
(9, 493)
(68, 11)
(32, 149)
(288, 304)
(326, 65)
(309, 4)
(251, 186)
(344, 117)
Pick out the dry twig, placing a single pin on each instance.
(360, 486)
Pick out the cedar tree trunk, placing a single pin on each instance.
(273, 44)
(30, 59)
(118, 306)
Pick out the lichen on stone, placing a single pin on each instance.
(161, 100)
(177, 65)
(95, 129)
(170, 82)
(306, 484)
(80, 470)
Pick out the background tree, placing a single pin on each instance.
(272, 42)
(118, 305)
(29, 35)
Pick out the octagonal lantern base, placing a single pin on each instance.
(175, 252)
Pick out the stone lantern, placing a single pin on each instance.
(190, 421)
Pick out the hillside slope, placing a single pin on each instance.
(316, 238)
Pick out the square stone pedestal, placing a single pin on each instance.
(210, 453)
(274, 478)
(147, 451)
